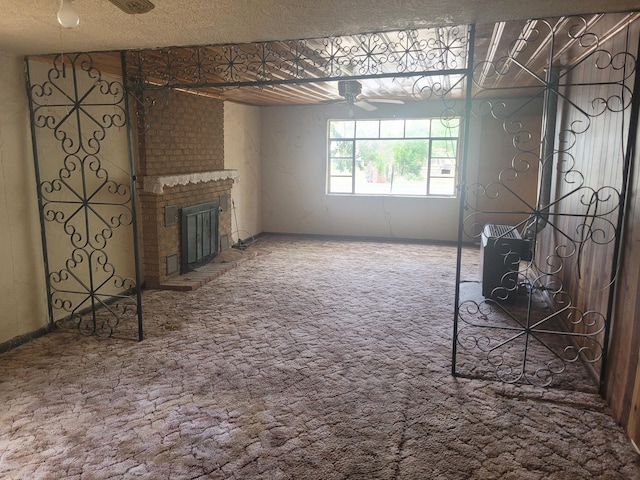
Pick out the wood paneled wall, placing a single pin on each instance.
(598, 155)
(622, 382)
(622, 373)
(588, 171)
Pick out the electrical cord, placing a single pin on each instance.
(240, 244)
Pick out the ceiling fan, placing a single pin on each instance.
(68, 16)
(134, 6)
(350, 91)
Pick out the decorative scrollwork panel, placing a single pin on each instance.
(538, 311)
(388, 54)
(79, 118)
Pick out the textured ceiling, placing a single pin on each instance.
(30, 27)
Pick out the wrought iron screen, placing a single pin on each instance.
(395, 54)
(79, 120)
(534, 306)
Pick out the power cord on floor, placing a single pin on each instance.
(240, 244)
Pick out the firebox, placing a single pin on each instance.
(199, 235)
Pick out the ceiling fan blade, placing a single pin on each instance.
(134, 6)
(385, 100)
(365, 105)
(331, 101)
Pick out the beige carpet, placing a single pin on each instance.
(320, 360)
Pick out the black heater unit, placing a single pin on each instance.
(502, 249)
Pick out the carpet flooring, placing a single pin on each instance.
(318, 359)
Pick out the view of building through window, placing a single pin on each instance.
(393, 157)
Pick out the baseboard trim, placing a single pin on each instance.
(366, 238)
(22, 339)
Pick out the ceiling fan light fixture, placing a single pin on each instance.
(67, 15)
(349, 90)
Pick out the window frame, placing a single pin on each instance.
(354, 138)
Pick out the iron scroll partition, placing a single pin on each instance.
(395, 54)
(547, 321)
(75, 106)
(86, 195)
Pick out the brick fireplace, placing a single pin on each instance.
(181, 164)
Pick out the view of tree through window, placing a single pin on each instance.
(393, 157)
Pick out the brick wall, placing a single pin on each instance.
(184, 137)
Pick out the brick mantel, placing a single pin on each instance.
(157, 183)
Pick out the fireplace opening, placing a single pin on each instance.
(199, 241)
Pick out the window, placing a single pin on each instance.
(393, 157)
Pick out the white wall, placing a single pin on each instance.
(294, 160)
(242, 126)
(23, 302)
(294, 195)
